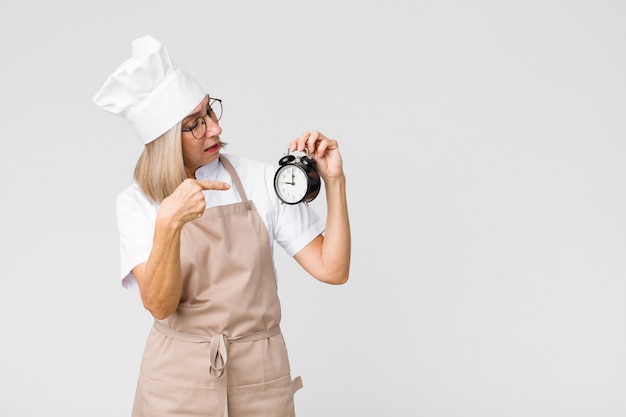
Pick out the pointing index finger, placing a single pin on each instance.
(213, 185)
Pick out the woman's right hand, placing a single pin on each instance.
(187, 202)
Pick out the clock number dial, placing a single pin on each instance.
(291, 184)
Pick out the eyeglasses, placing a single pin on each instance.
(214, 111)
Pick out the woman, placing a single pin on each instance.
(197, 229)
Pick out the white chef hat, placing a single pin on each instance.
(149, 90)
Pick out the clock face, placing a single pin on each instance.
(291, 184)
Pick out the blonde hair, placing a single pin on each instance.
(161, 168)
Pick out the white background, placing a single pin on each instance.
(484, 146)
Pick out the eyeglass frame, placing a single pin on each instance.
(210, 110)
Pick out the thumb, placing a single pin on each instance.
(213, 185)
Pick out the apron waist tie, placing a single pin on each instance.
(219, 355)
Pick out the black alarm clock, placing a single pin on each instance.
(296, 179)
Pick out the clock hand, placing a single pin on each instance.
(292, 179)
(290, 183)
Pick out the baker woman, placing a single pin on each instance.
(197, 228)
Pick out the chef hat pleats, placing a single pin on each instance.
(149, 90)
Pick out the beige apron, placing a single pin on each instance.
(221, 353)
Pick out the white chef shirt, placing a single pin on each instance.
(292, 226)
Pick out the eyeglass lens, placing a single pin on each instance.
(214, 111)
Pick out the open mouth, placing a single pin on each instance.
(213, 148)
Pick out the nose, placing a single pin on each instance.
(213, 128)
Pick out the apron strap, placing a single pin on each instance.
(199, 338)
(218, 351)
(233, 175)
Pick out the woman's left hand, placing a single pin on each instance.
(324, 150)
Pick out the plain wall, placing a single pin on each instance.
(484, 146)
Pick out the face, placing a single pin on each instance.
(198, 152)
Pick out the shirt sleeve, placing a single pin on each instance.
(136, 215)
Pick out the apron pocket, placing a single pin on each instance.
(273, 398)
(157, 398)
